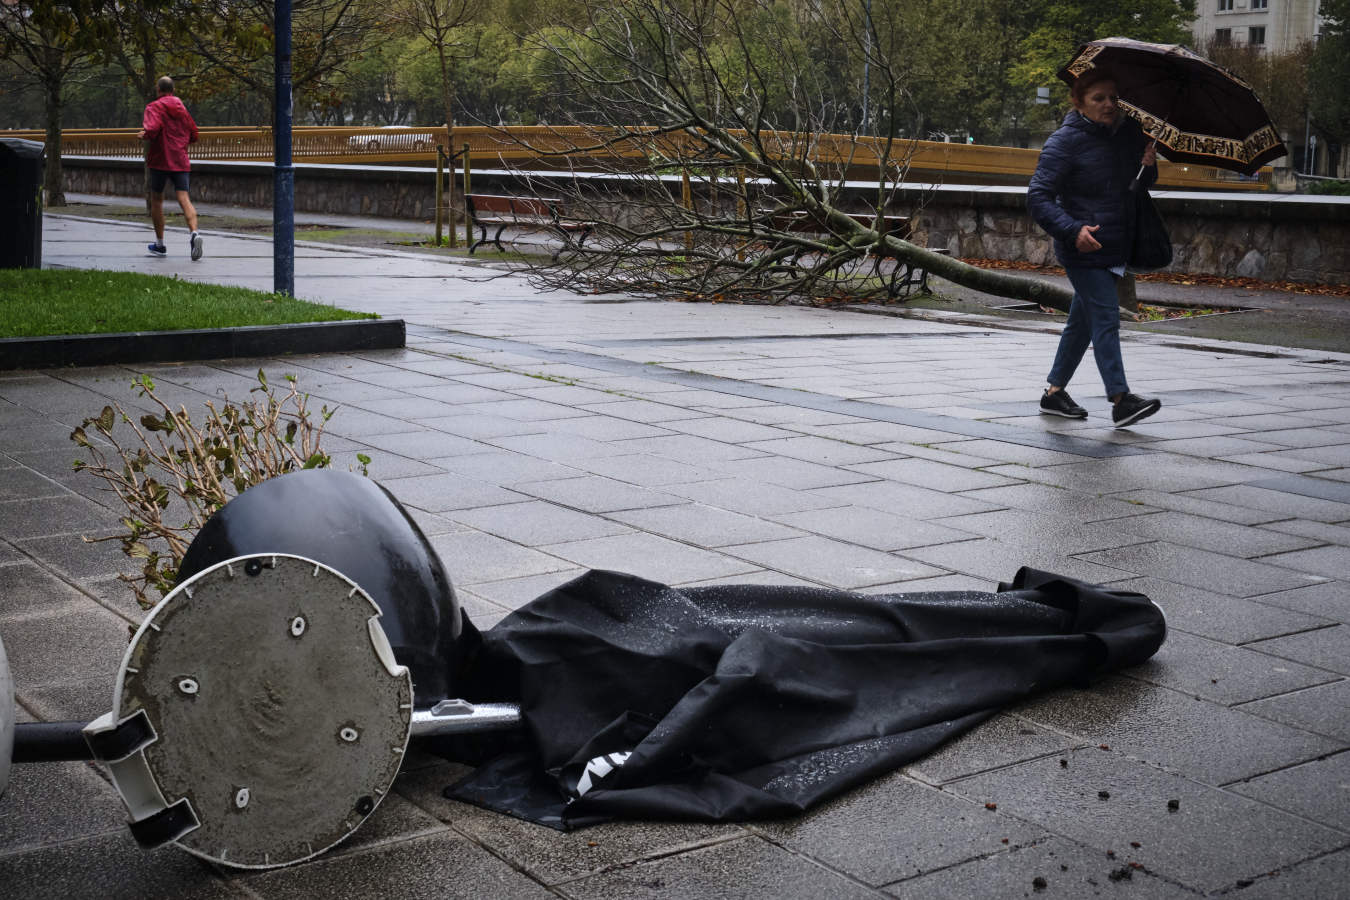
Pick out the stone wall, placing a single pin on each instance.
(1274, 237)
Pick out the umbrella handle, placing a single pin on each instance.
(1134, 185)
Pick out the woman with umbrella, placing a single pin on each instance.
(1081, 195)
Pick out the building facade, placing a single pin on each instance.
(1276, 26)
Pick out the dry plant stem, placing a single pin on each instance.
(166, 456)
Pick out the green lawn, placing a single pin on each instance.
(56, 301)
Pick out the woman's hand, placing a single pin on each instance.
(1086, 243)
(1150, 154)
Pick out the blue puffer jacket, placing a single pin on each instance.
(1082, 178)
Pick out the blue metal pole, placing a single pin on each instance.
(283, 184)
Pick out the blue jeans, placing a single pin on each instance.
(1094, 317)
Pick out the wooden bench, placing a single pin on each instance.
(903, 274)
(534, 213)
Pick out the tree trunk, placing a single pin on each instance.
(53, 179)
(1125, 293)
(1000, 284)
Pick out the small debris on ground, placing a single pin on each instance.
(1103, 795)
(1173, 805)
(1124, 873)
(1038, 883)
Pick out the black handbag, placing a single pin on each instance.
(1150, 244)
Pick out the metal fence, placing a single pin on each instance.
(565, 147)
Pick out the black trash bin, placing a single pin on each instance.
(21, 167)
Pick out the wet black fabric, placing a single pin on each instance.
(643, 701)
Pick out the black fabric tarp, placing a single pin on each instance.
(734, 703)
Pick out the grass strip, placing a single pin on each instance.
(38, 302)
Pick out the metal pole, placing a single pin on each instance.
(283, 184)
(440, 190)
(468, 189)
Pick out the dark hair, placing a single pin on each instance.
(165, 85)
(1087, 80)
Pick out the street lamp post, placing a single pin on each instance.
(283, 182)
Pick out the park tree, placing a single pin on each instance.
(1279, 79)
(444, 25)
(46, 44)
(1329, 73)
(234, 42)
(724, 131)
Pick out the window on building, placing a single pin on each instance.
(1256, 35)
(1259, 4)
(1223, 36)
(1225, 5)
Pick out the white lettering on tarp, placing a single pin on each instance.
(598, 768)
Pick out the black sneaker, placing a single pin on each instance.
(1061, 404)
(158, 250)
(1131, 408)
(195, 246)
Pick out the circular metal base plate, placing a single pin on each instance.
(278, 709)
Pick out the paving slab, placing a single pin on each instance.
(1211, 841)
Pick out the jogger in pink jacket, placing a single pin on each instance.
(168, 127)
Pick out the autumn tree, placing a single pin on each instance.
(1329, 73)
(443, 25)
(44, 41)
(724, 97)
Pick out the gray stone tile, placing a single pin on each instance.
(651, 557)
(562, 448)
(1050, 869)
(424, 444)
(22, 483)
(753, 498)
(550, 856)
(606, 428)
(1319, 709)
(791, 473)
(762, 577)
(1143, 472)
(820, 450)
(1221, 673)
(483, 427)
(743, 868)
(596, 494)
(447, 492)
(649, 412)
(685, 447)
(68, 514)
(471, 557)
(1066, 504)
(1002, 741)
(395, 819)
(1213, 534)
(1213, 839)
(729, 430)
(874, 528)
(383, 466)
(1302, 437)
(1220, 617)
(110, 867)
(29, 590)
(1328, 648)
(1190, 503)
(50, 803)
(1202, 740)
(1214, 446)
(855, 834)
(1277, 504)
(68, 642)
(997, 561)
(536, 523)
(439, 866)
(1068, 536)
(361, 424)
(832, 563)
(934, 475)
(1317, 790)
(1333, 562)
(1202, 569)
(705, 526)
(1317, 531)
(936, 583)
(1329, 600)
(646, 470)
(513, 593)
(1326, 876)
(505, 467)
(906, 499)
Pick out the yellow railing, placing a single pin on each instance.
(513, 146)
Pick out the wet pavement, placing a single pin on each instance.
(536, 434)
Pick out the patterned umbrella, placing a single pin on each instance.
(1197, 111)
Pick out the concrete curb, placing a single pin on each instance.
(204, 343)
